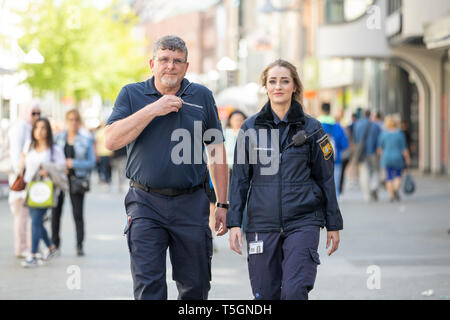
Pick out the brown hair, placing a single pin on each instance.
(48, 139)
(74, 112)
(298, 94)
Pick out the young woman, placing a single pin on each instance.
(288, 198)
(41, 150)
(394, 154)
(80, 160)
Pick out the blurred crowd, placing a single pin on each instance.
(371, 152)
(37, 151)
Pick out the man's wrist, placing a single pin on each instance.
(222, 205)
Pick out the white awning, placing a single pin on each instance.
(437, 34)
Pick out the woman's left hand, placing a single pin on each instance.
(69, 163)
(332, 236)
(43, 173)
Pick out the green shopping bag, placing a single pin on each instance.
(40, 194)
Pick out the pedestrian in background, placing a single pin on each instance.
(366, 136)
(103, 156)
(286, 208)
(19, 136)
(394, 154)
(338, 141)
(378, 119)
(234, 124)
(352, 170)
(41, 150)
(166, 204)
(118, 167)
(79, 151)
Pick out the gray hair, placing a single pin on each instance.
(172, 43)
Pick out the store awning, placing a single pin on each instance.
(437, 34)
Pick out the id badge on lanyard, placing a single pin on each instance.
(256, 247)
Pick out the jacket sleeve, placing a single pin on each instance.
(17, 140)
(322, 168)
(240, 181)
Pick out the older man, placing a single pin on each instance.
(166, 204)
(19, 138)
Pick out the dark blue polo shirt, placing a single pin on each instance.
(162, 156)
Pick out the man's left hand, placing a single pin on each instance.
(221, 221)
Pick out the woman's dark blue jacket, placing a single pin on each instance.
(284, 187)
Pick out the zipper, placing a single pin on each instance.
(279, 196)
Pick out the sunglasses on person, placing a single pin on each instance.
(35, 113)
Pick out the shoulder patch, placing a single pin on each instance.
(327, 149)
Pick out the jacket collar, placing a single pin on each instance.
(150, 89)
(294, 115)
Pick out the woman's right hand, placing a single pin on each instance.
(235, 237)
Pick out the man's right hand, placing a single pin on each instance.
(166, 104)
(235, 236)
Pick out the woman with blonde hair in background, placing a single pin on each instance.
(80, 160)
(394, 154)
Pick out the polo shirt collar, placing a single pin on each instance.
(150, 88)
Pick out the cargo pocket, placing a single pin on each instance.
(314, 255)
(209, 250)
(127, 232)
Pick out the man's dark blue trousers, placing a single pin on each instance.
(181, 223)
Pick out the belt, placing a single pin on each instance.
(170, 192)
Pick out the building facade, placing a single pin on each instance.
(397, 53)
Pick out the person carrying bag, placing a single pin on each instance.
(360, 149)
(40, 191)
(78, 149)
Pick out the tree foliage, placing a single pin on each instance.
(86, 50)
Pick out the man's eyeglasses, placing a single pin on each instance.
(175, 62)
(35, 114)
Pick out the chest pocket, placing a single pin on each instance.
(296, 164)
(190, 115)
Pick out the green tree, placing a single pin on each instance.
(86, 50)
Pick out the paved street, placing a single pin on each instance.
(408, 241)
